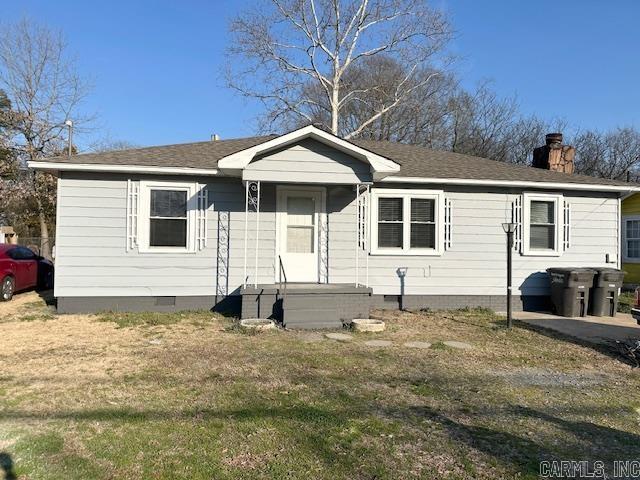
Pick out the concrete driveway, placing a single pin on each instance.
(601, 330)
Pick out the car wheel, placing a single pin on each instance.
(7, 289)
(46, 281)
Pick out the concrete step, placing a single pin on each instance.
(314, 325)
(308, 301)
(311, 315)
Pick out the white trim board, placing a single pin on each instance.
(87, 167)
(512, 183)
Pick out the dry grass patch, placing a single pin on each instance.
(186, 396)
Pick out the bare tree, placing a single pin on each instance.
(108, 144)
(45, 91)
(409, 122)
(609, 154)
(279, 47)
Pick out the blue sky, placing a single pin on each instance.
(155, 65)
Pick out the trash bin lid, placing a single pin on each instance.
(571, 270)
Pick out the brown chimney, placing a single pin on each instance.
(554, 155)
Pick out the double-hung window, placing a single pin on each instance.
(168, 218)
(631, 231)
(167, 222)
(543, 221)
(407, 222)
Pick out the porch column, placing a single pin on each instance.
(252, 203)
(362, 229)
(357, 233)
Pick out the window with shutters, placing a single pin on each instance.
(631, 240)
(543, 224)
(167, 220)
(407, 222)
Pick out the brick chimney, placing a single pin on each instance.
(554, 155)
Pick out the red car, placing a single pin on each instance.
(21, 269)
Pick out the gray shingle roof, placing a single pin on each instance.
(415, 161)
(191, 155)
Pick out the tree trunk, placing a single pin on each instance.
(45, 246)
(335, 98)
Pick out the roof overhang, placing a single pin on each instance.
(380, 166)
(88, 167)
(515, 184)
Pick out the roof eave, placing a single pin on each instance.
(514, 183)
(106, 168)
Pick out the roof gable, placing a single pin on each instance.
(380, 165)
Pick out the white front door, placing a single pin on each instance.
(298, 214)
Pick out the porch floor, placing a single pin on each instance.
(306, 287)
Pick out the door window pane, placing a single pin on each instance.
(299, 239)
(300, 224)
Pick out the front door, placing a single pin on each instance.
(299, 211)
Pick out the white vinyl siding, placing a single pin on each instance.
(308, 161)
(92, 258)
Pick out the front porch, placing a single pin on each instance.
(306, 305)
(306, 228)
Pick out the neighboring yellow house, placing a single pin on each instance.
(631, 238)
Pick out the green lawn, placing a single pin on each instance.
(189, 396)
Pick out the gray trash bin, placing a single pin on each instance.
(604, 293)
(570, 290)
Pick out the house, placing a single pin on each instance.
(631, 239)
(318, 230)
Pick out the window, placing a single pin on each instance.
(632, 239)
(542, 224)
(423, 223)
(21, 253)
(167, 217)
(407, 222)
(390, 223)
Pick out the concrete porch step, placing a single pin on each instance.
(314, 325)
(310, 315)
